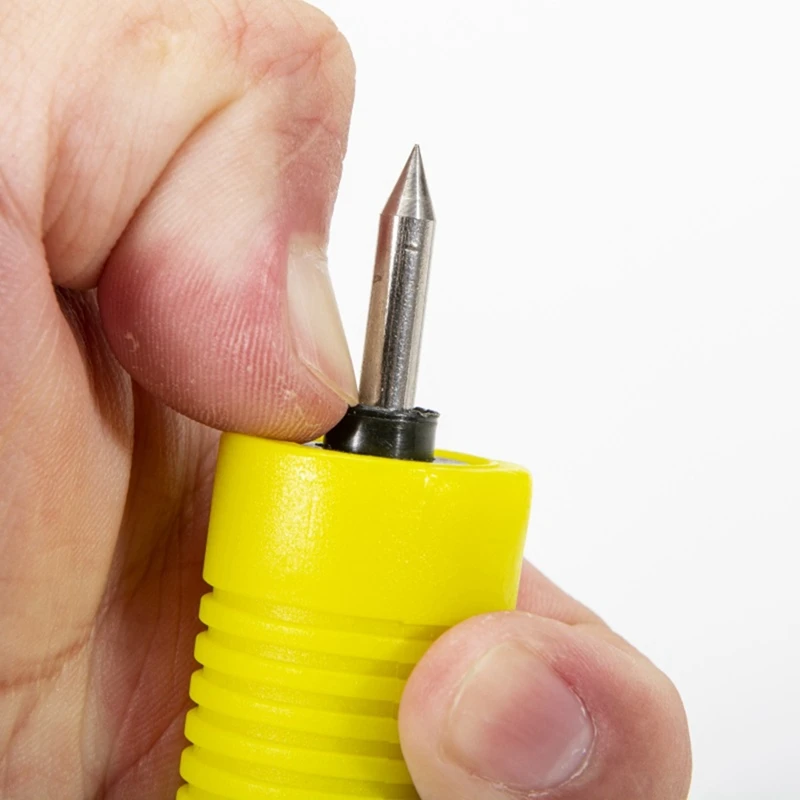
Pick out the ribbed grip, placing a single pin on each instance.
(297, 704)
(332, 574)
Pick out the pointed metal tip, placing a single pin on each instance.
(410, 196)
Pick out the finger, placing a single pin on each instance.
(52, 452)
(193, 178)
(217, 298)
(539, 595)
(516, 704)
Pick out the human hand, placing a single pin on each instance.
(170, 169)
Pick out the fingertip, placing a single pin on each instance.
(218, 343)
(512, 703)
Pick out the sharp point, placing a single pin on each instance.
(410, 196)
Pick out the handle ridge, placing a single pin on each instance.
(283, 689)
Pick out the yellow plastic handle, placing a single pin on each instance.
(332, 574)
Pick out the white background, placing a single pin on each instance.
(615, 303)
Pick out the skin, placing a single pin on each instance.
(162, 164)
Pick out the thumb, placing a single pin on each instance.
(515, 704)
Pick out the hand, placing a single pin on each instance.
(170, 168)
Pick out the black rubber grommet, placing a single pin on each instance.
(408, 434)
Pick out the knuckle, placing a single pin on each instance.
(307, 22)
(284, 38)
